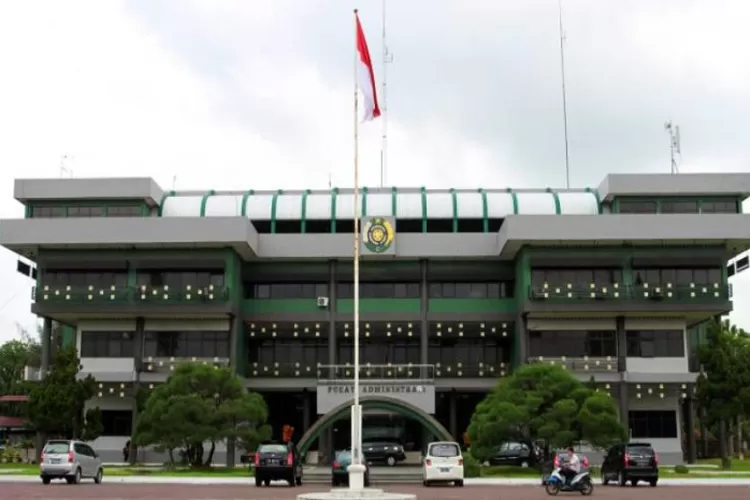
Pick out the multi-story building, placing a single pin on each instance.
(458, 287)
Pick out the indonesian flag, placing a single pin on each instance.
(366, 76)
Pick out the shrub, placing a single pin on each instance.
(471, 466)
(681, 469)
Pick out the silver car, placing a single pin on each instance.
(70, 460)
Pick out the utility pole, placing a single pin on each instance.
(564, 94)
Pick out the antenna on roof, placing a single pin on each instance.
(674, 145)
(564, 94)
(63, 167)
(330, 180)
(174, 182)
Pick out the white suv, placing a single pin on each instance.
(443, 463)
(70, 460)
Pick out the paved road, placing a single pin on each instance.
(232, 492)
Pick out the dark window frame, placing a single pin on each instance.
(186, 344)
(107, 344)
(655, 344)
(653, 424)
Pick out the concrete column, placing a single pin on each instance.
(306, 410)
(332, 280)
(46, 347)
(692, 449)
(623, 400)
(235, 330)
(522, 338)
(622, 344)
(452, 415)
(43, 369)
(138, 365)
(424, 329)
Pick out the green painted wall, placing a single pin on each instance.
(346, 306)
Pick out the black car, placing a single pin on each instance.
(383, 452)
(277, 462)
(516, 453)
(631, 462)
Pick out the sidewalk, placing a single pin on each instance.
(472, 481)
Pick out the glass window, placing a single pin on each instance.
(106, 344)
(637, 207)
(656, 344)
(653, 424)
(679, 207)
(719, 207)
(117, 422)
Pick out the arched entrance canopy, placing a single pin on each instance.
(343, 411)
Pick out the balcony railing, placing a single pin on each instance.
(130, 294)
(667, 292)
(465, 370)
(167, 364)
(579, 364)
(424, 373)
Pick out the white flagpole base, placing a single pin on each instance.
(356, 476)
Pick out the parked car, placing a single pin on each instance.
(516, 453)
(384, 452)
(277, 462)
(443, 463)
(70, 460)
(339, 469)
(631, 462)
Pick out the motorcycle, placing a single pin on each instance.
(580, 483)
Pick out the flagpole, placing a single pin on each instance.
(356, 409)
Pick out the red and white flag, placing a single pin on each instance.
(366, 76)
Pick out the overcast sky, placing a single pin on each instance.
(239, 94)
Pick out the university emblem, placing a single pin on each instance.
(378, 235)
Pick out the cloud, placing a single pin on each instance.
(234, 95)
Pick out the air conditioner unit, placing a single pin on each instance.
(322, 302)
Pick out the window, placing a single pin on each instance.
(681, 277)
(199, 344)
(86, 211)
(471, 290)
(117, 422)
(308, 352)
(287, 291)
(719, 207)
(656, 344)
(125, 211)
(48, 212)
(679, 207)
(572, 343)
(579, 278)
(181, 279)
(102, 279)
(379, 290)
(469, 352)
(379, 351)
(653, 424)
(106, 344)
(637, 207)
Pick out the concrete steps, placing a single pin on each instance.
(378, 475)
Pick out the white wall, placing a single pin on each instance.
(577, 324)
(186, 325)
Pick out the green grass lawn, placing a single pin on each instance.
(737, 465)
(121, 471)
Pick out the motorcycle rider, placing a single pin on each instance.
(571, 467)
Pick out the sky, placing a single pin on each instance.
(237, 94)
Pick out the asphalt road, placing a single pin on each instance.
(226, 492)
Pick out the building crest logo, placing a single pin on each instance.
(378, 235)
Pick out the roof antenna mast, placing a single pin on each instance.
(564, 93)
(674, 145)
(64, 168)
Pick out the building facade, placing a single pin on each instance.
(458, 287)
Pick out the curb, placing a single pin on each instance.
(7, 478)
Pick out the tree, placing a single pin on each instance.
(201, 404)
(543, 402)
(723, 387)
(56, 404)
